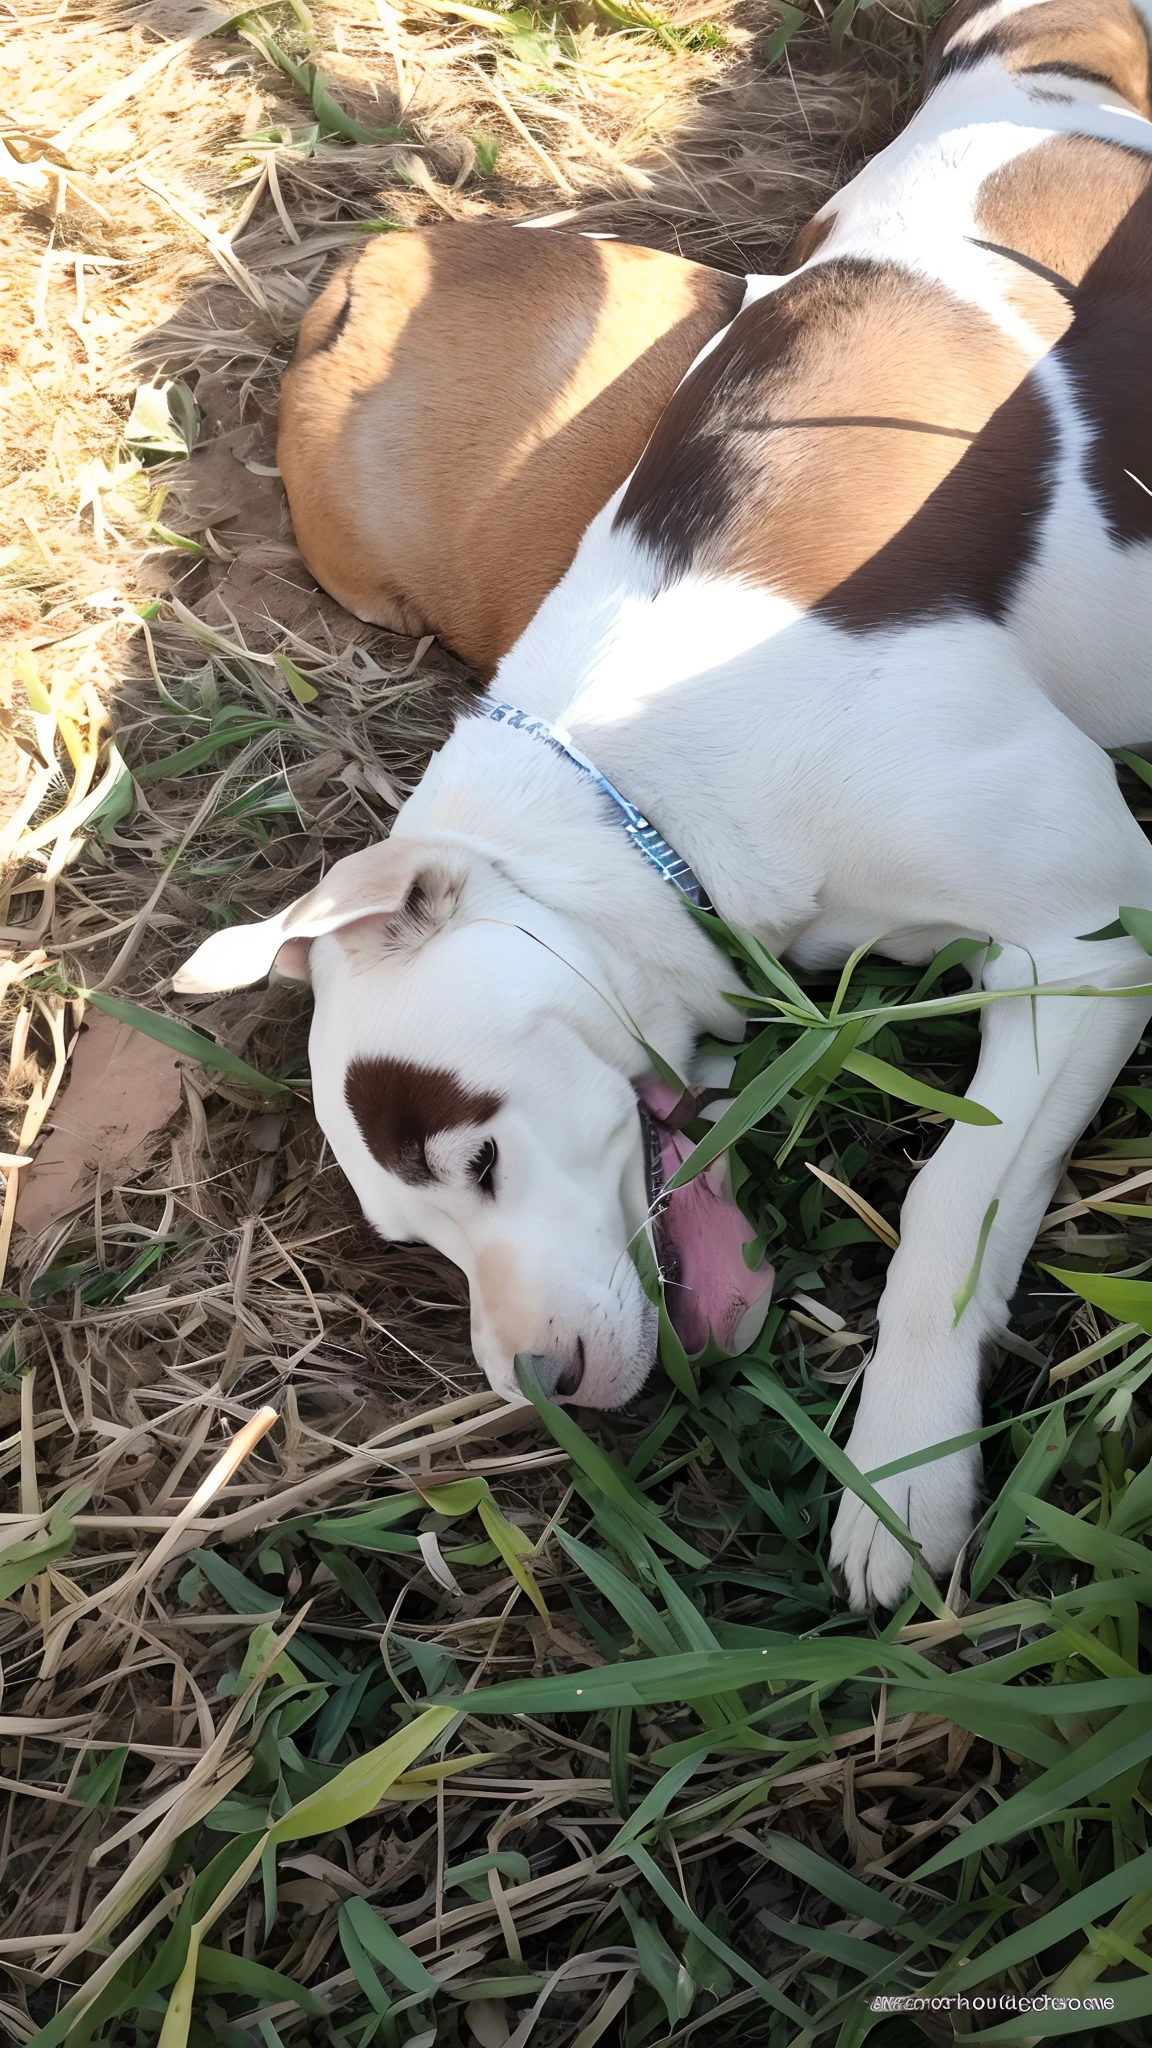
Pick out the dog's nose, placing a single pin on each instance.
(559, 1373)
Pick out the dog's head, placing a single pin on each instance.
(477, 1089)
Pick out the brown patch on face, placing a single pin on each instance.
(464, 401)
(861, 442)
(1100, 40)
(399, 1106)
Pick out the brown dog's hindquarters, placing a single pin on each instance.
(464, 400)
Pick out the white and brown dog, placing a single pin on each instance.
(854, 632)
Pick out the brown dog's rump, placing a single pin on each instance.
(464, 399)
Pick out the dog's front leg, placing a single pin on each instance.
(1045, 1066)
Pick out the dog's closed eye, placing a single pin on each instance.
(482, 1169)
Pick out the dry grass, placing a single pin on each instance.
(181, 233)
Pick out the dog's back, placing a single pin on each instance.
(947, 411)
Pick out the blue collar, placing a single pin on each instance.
(657, 852)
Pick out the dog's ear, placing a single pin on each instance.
(393, 895)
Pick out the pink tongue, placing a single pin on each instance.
(714, 1289)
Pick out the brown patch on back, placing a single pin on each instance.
(1085, 208)
(1107, 352)
(1063, 201)
(488, 389)
(861, 442)
(1045, 304)
(399, 1106)
(1101, 40)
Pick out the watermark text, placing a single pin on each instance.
(989, 2002)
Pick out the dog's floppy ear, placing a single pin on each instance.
(400, 890)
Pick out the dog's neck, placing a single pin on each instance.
(503, 798)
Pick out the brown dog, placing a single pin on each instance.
(464, 399)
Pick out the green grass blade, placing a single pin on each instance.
(1133, 761)
(1069, 1918)
(601, 1470)
(239, 1592)
(1130, 1301)
(1137, 922)
(670, 1897)
(379, 1941)
(792, 18)
(226, 1972)
(1105, 1756)
(673, 1356)
(894, 1081)
(839, 1464)
(953, 955)
(697, 1674)
(359, 1521)
(654, 1805)
(755, 1102)
(509, 1863)
(849, 969)
(100, 1785)
(1085, 1540)
(862, 1956)
(361, 1965)
(991, 1720)
(22, 1561)
(512, 1546)
(659, 1966)
(303, 691)
(1038, 1466)
(830, 1881)
(362, 1784)
(332, 118)
(633, 1606)
(1039, 1702)
(620, 1739)
(182, 1039)
(961, 1300)
(201, 751)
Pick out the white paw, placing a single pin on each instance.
(938, 1503)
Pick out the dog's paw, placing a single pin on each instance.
(938, 1503)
